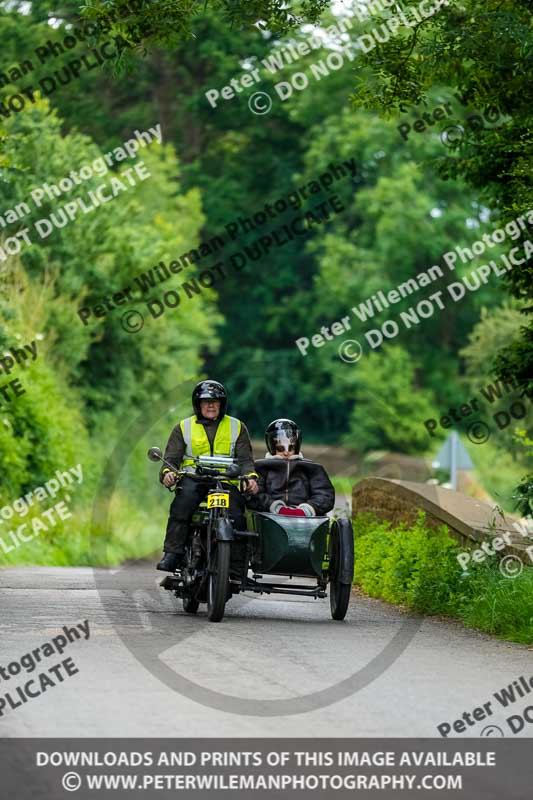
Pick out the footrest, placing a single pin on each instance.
(170, 582)
(250, 534)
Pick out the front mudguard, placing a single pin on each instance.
(224, 530)
(342, 528)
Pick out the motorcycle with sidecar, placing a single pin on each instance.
(219, 558)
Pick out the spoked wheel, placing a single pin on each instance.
(217, 581)
(341, 567)
(190, 605)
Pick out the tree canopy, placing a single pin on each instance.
(405, 204)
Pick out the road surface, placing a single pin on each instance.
(268, 651)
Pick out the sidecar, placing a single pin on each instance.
(318, 549)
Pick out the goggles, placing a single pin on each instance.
(285, 444)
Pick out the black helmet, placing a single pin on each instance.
(283, 435)
(209, 390)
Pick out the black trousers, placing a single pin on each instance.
(188, 497)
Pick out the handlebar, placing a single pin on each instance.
(205, 473)
(212, 477)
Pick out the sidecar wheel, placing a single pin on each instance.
(341, 567)
(339, 599)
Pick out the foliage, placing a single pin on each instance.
(524, 490)
(77, 540)
(495, 329)
(390, 407)
(417, 566)
(218, 165)
(154, 218)
(524, 497)
(483, 51)
(43, 429)
(499, 463)
(504, 456)
(167, 23)
(87, 381)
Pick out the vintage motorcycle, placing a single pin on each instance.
(219, 557)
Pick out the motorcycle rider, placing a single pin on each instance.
(288, 482)
(209, 431)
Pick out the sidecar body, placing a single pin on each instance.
(319, 549)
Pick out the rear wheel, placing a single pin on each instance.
(217, 581)
(341, 568)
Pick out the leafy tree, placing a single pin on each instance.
(390, 407)
(398, 218)
(88, 380)
(483, 51)
(164, 22)
(493, 331)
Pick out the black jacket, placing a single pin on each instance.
(293, 482)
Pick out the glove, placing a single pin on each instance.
(308, 509)
(292, 512)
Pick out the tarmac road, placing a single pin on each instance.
(267, 653)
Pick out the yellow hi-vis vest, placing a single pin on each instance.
(197, 443)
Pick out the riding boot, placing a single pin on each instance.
(176, 536)
(170, 562)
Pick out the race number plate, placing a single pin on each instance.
(218, 500)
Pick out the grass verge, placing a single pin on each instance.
(417, 567)
(130, 533)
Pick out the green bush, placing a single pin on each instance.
(417, 566)
(131, 534)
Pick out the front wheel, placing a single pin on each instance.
(341, 567)
(217, 581)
